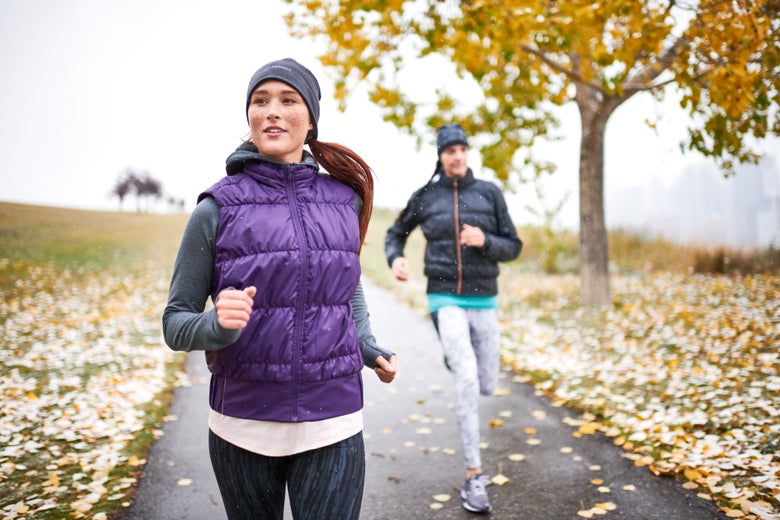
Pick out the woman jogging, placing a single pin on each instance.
(275, 245)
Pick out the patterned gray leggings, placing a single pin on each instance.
(471, 339)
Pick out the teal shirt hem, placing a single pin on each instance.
(436, 301)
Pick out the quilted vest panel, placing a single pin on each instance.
(292, 233)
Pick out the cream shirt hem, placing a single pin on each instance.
(280, 439)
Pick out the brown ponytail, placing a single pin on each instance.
(348, 167)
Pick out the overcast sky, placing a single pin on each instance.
(91, 87)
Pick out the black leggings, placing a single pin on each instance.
(324, 483)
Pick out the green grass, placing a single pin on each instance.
(68, 237)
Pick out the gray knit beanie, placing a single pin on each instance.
(449, 135)
(298, 77)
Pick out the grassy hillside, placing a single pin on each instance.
(68, 237)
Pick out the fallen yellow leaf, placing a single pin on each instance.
(135, 461)
(589, 428)
(499, 479)
(644, 461)
(692, 474)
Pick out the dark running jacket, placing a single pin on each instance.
(440, 208)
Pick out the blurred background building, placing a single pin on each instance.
(700, 206)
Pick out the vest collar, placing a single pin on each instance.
(247, 153)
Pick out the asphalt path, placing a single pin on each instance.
(414, 462)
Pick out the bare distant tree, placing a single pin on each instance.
(125, 184)
(146, 188)
(175, 204)
(143, 185)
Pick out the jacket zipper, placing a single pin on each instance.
(457, 238)
(299, 305)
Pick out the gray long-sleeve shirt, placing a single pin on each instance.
(187, 325)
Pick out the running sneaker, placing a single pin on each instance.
(475, 498)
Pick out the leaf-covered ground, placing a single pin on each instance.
(683, 373)
(82, 363)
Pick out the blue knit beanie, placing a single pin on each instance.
(298, 77)
(449, 135)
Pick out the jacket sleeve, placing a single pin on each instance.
(408, 219)
(504, 245)
(368, 347)
(187, 325)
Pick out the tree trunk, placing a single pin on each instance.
(594, 260)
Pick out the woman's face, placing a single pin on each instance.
(454, 161)
(278, 121)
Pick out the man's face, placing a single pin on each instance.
(454, 161)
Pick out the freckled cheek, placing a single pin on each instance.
(254, 123)
(302, 122)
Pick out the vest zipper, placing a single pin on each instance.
(457, 238)
(301, 302)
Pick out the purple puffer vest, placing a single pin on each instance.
(292, 233)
